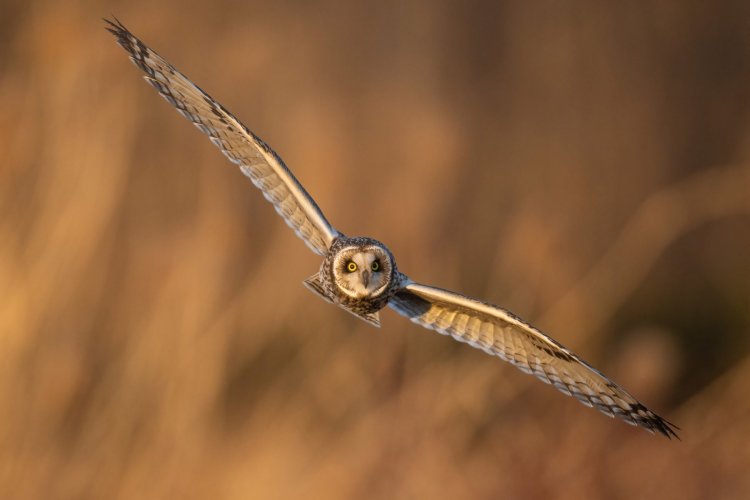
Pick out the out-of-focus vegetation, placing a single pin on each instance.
(585, 164)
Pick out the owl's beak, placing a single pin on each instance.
(366, 277)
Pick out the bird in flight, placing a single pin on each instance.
(359, 274)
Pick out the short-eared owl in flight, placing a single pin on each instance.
(360, 275)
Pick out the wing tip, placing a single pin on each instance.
(653, 423)
(118, 29)
(665, 427)
(128, 41)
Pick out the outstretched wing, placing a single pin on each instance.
(254, 157)
(499, 332)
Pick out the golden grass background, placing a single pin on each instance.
(584, 164)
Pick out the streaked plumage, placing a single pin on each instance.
(360, 274)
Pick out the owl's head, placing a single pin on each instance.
(363, 271)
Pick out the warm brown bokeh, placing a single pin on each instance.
(584, 164)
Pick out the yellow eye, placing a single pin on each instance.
(376, 265)
(351, 267)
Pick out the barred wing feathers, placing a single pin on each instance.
(500, 333)
(254, 157)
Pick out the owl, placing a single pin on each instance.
(360, 275)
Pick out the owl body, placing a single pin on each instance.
(359, 274)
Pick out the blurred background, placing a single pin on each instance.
(584, 164)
